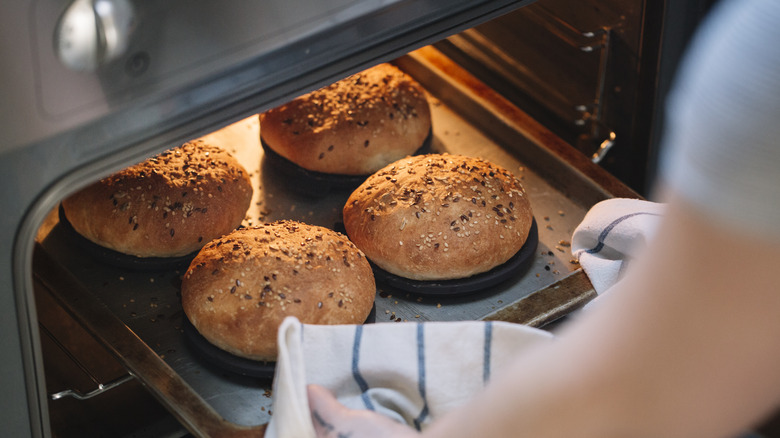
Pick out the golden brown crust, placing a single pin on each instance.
(169, 205)
(239, 288)
(438, 217)
(352, 127)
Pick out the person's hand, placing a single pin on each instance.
(333, 420)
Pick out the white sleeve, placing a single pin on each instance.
(721, 148)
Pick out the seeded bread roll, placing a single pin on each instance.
(439, 217)
(352, 127)
(167, 206)
(239, 288)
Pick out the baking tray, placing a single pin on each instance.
(138, 315)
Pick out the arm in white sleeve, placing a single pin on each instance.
(722, 143)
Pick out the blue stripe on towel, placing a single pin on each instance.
(605, 232)
(486, 352)
(356, 371)
(421, 375)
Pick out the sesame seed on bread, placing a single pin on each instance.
(352, 127)
(439, 217)
(167, 206)
(239, 288)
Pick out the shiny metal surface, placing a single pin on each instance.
(92, 33)
(170, 58)
(101, 388)
(138, 314)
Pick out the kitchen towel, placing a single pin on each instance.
(612, 233)
(412, 372)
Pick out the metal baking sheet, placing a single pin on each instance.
(140, 313)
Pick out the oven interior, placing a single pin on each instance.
(563, 93)
(136, 312)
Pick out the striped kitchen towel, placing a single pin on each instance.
(612, 233)
(412, 372)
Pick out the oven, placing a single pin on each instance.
(566, 94)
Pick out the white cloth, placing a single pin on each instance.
(612, 233)
(411, 372)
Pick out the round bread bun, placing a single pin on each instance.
(239, 288)
(355, 126)
(167, 206)
(439, 217)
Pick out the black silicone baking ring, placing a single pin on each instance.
(120, 260)
(517, 265)
(312, 183)
(226, 361)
